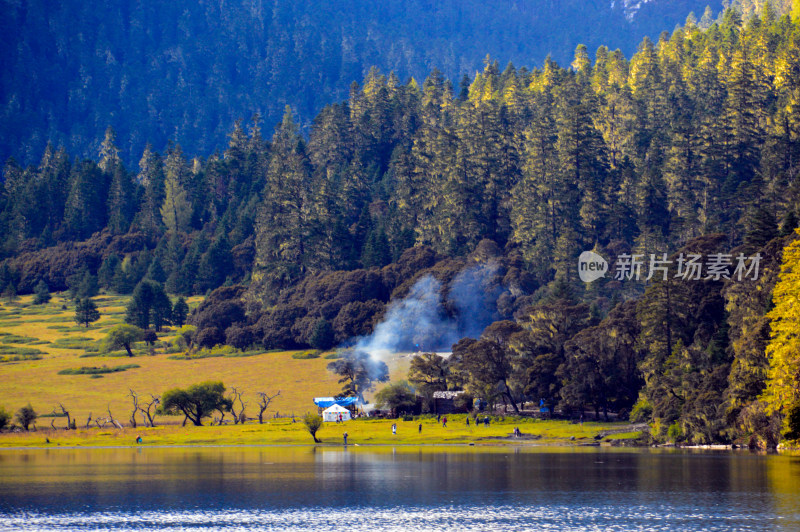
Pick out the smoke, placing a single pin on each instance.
(420, 321)
(474, 293)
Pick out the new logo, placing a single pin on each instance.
(591, 266)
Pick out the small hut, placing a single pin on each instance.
(445, 402)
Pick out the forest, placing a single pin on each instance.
(690, 146)
(155, 70)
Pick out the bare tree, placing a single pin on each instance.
(112, 420)
(236, 395)
(89, 420)
(135, 399)
(64, 412)
(148, 408)
(264, 400)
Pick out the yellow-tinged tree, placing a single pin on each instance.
(783, 351)
(176, 211)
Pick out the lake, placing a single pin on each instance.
(401, 488)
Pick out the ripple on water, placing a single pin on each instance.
(454, 517)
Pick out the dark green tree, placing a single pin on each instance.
(429, 373)
(25, 416)
(196, 402)
(322, 335)
(179, 312)
(398, 397)
(42, 293)
(149, 304)
(86, 311)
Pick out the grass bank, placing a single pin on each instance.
(360, 432)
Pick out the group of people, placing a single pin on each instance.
(443, 420)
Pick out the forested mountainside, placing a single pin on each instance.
(157, 70)
(421, 194)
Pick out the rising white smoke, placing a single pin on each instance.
(418, 322)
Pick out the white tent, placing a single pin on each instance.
(333, 413)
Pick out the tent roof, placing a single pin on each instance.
(325, 402)
(335, 408)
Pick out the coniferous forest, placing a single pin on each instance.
(690, 146)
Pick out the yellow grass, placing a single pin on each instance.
(38, 382)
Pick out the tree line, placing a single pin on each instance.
(690, 145)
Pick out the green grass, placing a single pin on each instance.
(10, 353)
(75, 342)
(216, 352)
(94, 370)
(306, 355)
(361, 432)
(7, 338)
(19, 358)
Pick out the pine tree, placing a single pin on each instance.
(151, 177)
(284, 230)
(85, 212)
(109, 153)
(121, 200)
(42, 293)
(176, 211)
(376, 252)
(86, 311)
(180, 310)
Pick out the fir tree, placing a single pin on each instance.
(42, 293)
(86, 311)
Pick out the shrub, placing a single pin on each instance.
(209, 337)
(674, 432)
(313, 423)
(642, 411)
(93, 370)
(25, 416)
(239, 337)
(306, 355)
(793, 423)
(222, 308)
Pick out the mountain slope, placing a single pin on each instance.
(157, 70)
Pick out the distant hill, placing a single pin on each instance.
(159, 71)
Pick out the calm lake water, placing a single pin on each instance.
(404, 488)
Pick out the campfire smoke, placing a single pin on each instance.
(420, 321)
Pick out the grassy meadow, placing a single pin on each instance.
(37, 342)
(360, 432)
(46, 359)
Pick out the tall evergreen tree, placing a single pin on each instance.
(176, 211)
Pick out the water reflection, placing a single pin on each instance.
(396, 488)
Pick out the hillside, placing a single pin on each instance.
(39, 341)
(156, 71)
